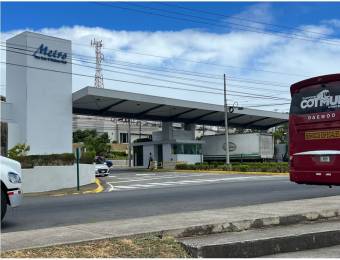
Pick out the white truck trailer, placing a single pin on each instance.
(252, 146)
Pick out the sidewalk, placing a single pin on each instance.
(182, 224)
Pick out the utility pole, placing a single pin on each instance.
(129, 138)
(227, 159)
(98, 80)
(140, 129)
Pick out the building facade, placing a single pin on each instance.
(39, 92)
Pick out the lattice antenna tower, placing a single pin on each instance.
(98, 80)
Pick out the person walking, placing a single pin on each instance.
(150, 160)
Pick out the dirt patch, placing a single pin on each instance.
(142, 247)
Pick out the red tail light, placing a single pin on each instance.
(291, 160)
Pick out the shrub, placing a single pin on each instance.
(182, 166)
(87, 157)
(18, 150)
(30, 161)
(118, 155)
(242, 167)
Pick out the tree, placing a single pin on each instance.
(81, 135)
(93, 141)
(280, 134)
(99, 144)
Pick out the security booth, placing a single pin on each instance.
(168, 147)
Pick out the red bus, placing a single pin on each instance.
(314, 131)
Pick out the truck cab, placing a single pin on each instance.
(11, 193)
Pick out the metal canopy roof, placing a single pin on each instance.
(113, 103)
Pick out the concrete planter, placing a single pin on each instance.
(47, 178)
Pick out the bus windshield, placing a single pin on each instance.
(316, 99)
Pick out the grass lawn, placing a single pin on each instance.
(142, 247)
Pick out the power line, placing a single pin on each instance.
(91, 76)
(217, 25)
(144, 84)
(185, 72)
(175, 82)
(193, 61)
(265, 105)
(169, 81)
(231, 78)
(240, 25)
(241, 19)
(77, 74)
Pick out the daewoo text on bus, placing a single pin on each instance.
(314, 131)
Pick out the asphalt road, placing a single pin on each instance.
(133, 195)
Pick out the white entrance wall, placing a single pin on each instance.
(47, 178)
(40, 90)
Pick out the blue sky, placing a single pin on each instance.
(135, 39)
(38, 15)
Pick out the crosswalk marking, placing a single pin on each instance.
(114, 187)
(143, 185)
(129, 179)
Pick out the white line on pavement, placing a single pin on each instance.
(125, 187)
(155, 178)
(111, 186)
(185, 182)
(143, 185)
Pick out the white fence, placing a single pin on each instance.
(47, 178)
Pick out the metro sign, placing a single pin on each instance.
(43, 53)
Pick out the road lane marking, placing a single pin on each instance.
(160, 184)
(111, 186)
(143, 185)
(124, 187)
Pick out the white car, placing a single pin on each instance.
(11, 193)
(101, 170)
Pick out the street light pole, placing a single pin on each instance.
(227, 160)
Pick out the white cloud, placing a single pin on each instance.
(258, 12)
(333, 22)
(239, 51)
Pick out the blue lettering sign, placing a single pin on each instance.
(43, 53)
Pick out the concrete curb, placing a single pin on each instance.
(269, 246)
(242, 225)
(99, 188)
